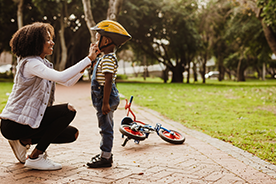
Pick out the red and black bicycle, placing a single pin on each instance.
(139, 131)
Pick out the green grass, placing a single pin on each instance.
(5, 89)
(243, 114)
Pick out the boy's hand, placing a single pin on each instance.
(106, 109)
(94, 51)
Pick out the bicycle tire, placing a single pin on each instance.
(131, 134)
(166, 136)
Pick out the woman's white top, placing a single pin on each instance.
(67, 77)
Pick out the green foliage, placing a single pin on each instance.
(164, 30)
(121, 77)
(8, 23)
(242, 114)
(246, 41)
(268, 12)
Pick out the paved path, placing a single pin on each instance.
(201, 159)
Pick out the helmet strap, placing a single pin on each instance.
(102, 47)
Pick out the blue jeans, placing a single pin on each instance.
(106, 122)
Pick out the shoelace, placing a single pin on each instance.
(45, 156)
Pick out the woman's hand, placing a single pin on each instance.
(94, 51)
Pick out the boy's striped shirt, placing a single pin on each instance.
(107, 64)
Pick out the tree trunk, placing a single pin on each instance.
(19, 24)
(203, 68)
(241, 75)
(188, 73)
(62, 41)
(166, 75)
(263, 73)
(195, 72)
(203, 73)
(228, 73)
(89, 18)
(177, 73)
(270, 37)
(114, 9)
(238, 69)
(19, 12)
(240, 72)
(220, 68)
(145, 73)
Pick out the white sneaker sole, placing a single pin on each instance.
(16, 152)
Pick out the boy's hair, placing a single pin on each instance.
(30, 39)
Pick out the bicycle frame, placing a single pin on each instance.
(127, 106)
(156, 128)
(139, 131)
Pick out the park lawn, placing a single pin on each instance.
(243, 113)
(5, 90)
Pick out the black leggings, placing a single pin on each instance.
(54, 128)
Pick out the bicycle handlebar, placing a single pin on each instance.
(130, 100)
(128, 104)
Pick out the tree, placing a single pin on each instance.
(164, 30)
(209, 18)
(265, 12)
(112, 13)
(8, 26)
(67, 18)
(62, 17)
(19, 12)
(246, 39)
(114, 9)
(89, 18)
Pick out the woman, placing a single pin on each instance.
(29, 116)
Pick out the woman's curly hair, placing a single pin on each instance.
(30, 39)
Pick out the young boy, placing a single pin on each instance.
(105, 96)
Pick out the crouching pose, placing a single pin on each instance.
(29, 116)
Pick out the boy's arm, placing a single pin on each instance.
(107, 91)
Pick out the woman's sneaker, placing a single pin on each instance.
(100, 162)
(42, 163)
(19, 150)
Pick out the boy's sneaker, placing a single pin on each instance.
(42, 163)
(19, 150)
(99, 162)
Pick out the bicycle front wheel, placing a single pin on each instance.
(174, 137)
(131, 134)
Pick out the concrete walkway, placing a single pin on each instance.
(201, 159)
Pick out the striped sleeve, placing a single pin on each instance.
(108, 65)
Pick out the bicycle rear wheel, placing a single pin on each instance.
(175, 138)
(131, 134)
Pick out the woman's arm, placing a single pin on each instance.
(66, 77)
(72, 81)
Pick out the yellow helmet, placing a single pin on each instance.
(115, 31)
